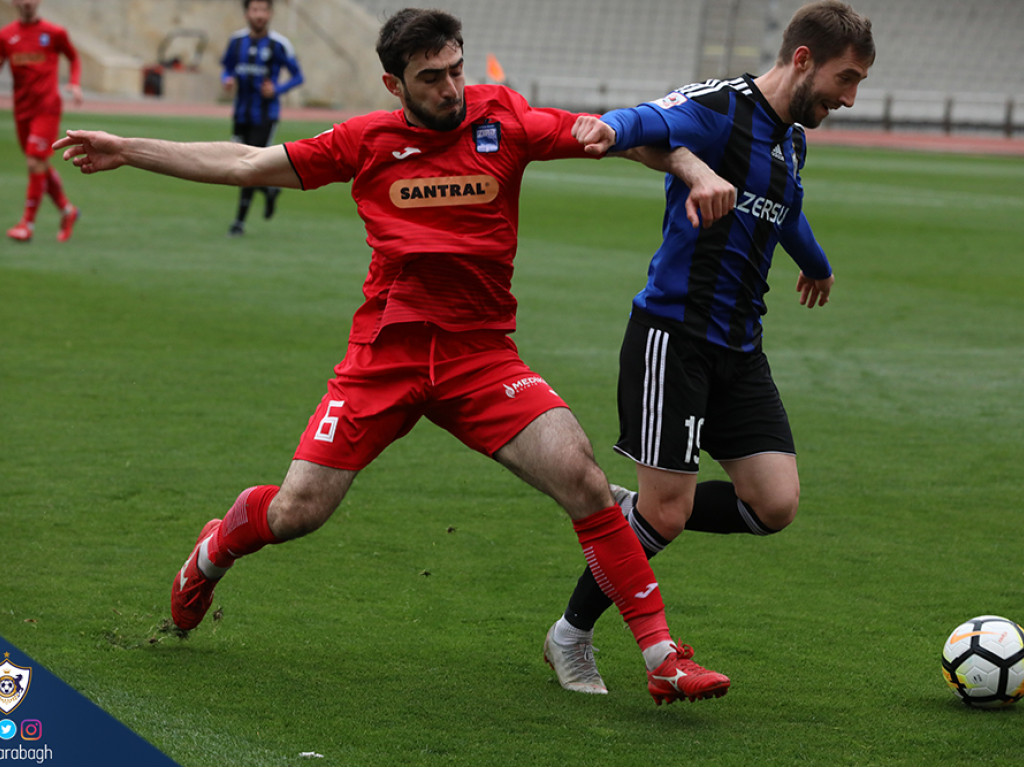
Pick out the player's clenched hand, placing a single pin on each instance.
(92, 151)
(814, 292)
(713, 196)
(595, 136)
(710, 195)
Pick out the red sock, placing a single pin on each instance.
(244, 529)
(55, 189)
(34, 193)
(620, 566)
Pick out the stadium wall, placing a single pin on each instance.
(943, 65)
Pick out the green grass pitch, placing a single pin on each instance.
(152, 367)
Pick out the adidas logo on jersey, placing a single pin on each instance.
(777, 153)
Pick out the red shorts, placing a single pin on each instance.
(36, 134)
(471, 383)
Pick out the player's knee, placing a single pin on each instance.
(668, 518)
(778, 513)
(292, 517)
(589, 487)
(576, 482)
(580, 487)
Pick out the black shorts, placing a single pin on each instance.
(254, 134)
(678, 395)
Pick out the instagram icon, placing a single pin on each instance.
(31, 730)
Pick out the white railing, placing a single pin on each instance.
(876, 109)
(936, 110)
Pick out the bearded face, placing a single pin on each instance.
(825, 87)
(432, 90)
(808, 105)
(448, 115)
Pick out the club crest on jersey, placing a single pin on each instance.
(14, 682)
(487, 137)
(44, 39)
(674, 99)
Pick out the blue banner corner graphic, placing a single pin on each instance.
(46, 722)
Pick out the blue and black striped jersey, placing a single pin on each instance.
(711, 282)
(251, 61)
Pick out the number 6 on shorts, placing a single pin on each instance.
(329, 423)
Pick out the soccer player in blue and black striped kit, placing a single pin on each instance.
(252, 66)
(692, 371)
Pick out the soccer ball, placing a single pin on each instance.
(983, 662)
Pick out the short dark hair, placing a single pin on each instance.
(245, 3)
(828, 28)
(413, 30)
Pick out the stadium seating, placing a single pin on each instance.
(587, 54)
(939, 61)
(946, 64)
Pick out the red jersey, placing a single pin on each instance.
(441, 208)
(34, 51)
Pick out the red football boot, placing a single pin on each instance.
(679, 677)
(192, 592)
(67, 223)
(21, 231)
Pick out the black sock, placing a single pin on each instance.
(244, 201)
(588, 602)
(717, 510)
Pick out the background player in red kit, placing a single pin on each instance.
(437, 184)
(33, 46)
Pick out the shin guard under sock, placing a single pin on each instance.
(55, 189)
(245, 196)
(588, 603)
(33, 194)
(244, 529)
(716, 509)
(619, 567)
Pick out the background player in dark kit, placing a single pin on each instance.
(252, 64)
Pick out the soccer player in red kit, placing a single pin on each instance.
(33, 46)
(437, 184)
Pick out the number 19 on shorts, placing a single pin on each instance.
(693, 424)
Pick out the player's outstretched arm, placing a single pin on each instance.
(92, 151)
(220, 162)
